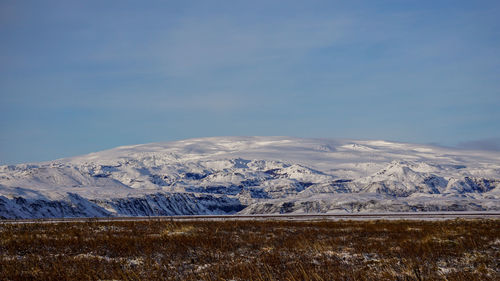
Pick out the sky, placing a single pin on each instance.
(82, 76)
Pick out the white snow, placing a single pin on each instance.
(263, 173)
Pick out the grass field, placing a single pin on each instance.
(251, 250)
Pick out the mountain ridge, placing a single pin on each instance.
(253, 175)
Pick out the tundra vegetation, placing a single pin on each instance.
(251, 250)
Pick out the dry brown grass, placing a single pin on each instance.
(252, 250)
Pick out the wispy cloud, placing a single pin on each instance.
(207, 102)
(491, 144)
(206, 45)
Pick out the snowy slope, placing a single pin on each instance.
(253, 175)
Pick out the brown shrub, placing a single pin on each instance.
(251, 250)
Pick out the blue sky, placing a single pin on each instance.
(83, 76)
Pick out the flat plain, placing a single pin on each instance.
(458, 249)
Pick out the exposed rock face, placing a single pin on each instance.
(253, 175)
(158, 204)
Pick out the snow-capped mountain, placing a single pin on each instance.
(226, 175)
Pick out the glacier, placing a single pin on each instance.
(253, 175)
